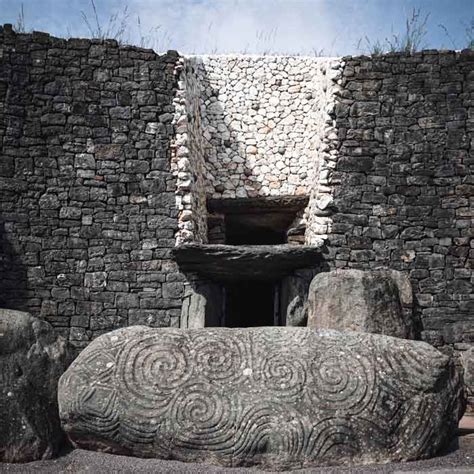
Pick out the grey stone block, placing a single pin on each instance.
(276, 398)
(356, 300)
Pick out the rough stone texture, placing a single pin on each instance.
(278, 398)
(391, 182)
(467, 360)
(240, 262)
(32, 358)
(294, 293)
(106, 158)
(87, 197)
(358, 300)
(248, 126)
(402, 183)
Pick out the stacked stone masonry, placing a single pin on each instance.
(109, 153)
(403, 185)
(87, 201)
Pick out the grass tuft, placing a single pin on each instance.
(411, 40)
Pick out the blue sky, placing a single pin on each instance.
(251, 26)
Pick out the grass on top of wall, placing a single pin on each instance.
(120, 25)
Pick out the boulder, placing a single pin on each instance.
(274, 397)
(377, 301)
(32, 358)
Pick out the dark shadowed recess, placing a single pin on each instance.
(256, 221)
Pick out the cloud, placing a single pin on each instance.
(252, 26)
(243, 25)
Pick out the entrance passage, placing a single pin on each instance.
(258, 228)
(250, 304)
(256, 221)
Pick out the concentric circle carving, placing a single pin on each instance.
(220, 358)
(151, 368)
(342, 381)
(283, 374)
(198, 416)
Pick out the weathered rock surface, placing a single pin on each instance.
(277, 398)
(467, 359)
(378, 301)
(32, 358)
(234, 262)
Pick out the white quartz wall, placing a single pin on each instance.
(317, 213)
(188, 159)
(250, 126)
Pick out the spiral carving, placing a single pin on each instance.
(151, 368)
(221, 358)
(284, 374)
(199, 415)
(342, 381)
(239, 397)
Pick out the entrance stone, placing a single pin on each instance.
(275, 397)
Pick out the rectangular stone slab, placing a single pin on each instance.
(234, 262)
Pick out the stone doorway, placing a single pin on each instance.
(250, 303)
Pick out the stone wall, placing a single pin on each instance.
(254, 127)
(107, 159)
(188, 162)
(87, 201)
(403, 181)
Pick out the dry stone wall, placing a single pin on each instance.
(108, 154)
(403, 181)
(87, 197)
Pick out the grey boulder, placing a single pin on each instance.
(377, 301)
(32, 358)
(276, 398)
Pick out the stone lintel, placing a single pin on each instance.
(257, 262)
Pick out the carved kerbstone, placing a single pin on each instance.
(278, 398)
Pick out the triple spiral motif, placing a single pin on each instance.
(244, 395)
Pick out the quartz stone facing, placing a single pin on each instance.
(87, 198)
(249, 126)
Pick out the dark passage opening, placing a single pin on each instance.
(258, 229)
(250, 304)
(256, 221)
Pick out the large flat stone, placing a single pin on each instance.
(232, 262)
(277, 398)
(32, 358)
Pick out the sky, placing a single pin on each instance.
(307, 27)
